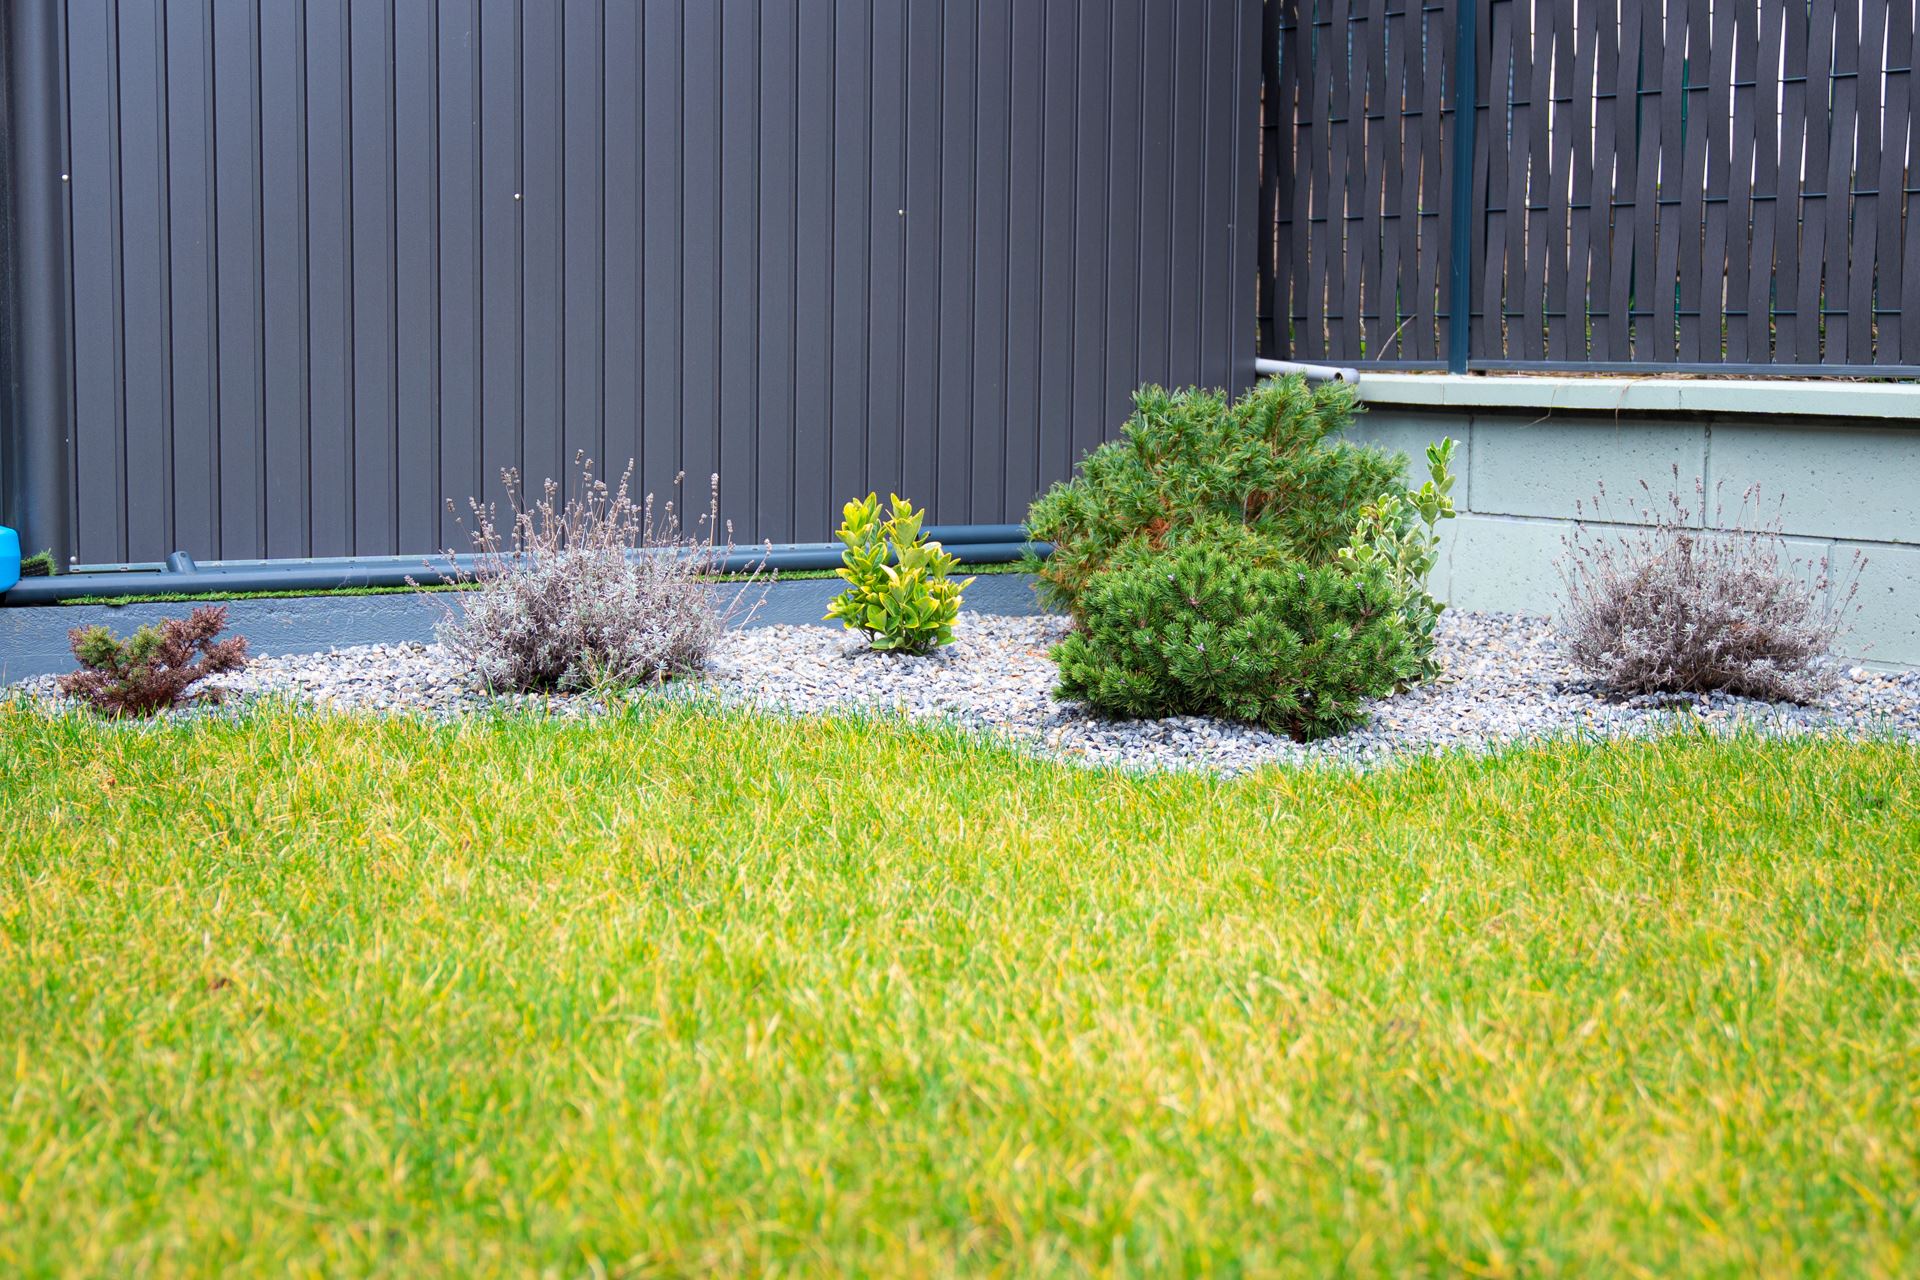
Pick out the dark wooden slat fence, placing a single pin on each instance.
(1702, 185)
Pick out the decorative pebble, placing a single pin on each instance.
(1506, 681)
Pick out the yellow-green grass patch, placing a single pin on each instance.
(695, 992)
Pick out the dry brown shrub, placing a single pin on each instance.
(594, 587)
(153, 669)
(1665, 605)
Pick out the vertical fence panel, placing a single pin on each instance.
(372, 238)
(740, 265)
(586, 250)
(241, 356)
(419, 465)
(952, 387)
(191, 311)
(776, 337)
(99, 477)
(337, 263)
(887, 381)
(330, 350)
(287, 428)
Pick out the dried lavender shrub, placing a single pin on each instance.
(1672, 607)
(153, 669)
(592, 589)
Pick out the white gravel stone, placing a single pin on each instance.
(1506, 680)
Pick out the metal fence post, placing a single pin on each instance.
(35, 413)
(1460, 287)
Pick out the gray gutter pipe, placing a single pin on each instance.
(953, 536)
(970, 544)
(1313, 372)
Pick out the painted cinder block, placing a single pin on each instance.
(1886, 631)
(1853, 482)
(1546, 467)
(1501, 565)
(1506, 565)
(1410, 432)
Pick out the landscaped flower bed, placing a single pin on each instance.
(1240, 586)
(1506, 679)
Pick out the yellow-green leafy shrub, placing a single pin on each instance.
(898, 587)
(1399, 531)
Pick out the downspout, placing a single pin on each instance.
(35, 408)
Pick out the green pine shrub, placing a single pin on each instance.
(898, 589)
(1270, 460)
(1228, 622)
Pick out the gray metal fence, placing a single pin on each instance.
(327, 265)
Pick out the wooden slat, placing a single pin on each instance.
(1544, 223)
(1903, 264)
(1746, 93)
(1311, 214)
(1272, 113)
(1770, 211)
(1889, 293)
(1571, 200)
(1715, 269)
(1297, 65)
(1624, 244)
(1503, 127)
(1282, 110)
(1365, 180)
(1863, 254)
(1604, 20)
(1837, 208)
(1396, 149)
(1816, 199)
(1439, 127)
(1421, 187)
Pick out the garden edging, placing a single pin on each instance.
(33, 640)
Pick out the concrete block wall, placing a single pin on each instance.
(1851, 482)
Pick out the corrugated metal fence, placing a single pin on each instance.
(1707, 185)
(330, 264)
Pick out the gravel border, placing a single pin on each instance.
(1506, 682)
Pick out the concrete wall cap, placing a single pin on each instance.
(1797, 397)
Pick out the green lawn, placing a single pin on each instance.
(688, 993)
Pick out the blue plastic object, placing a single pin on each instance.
(9, 557)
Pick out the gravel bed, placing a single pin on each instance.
(1506, 680)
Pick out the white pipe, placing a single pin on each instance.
(1314, 372)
